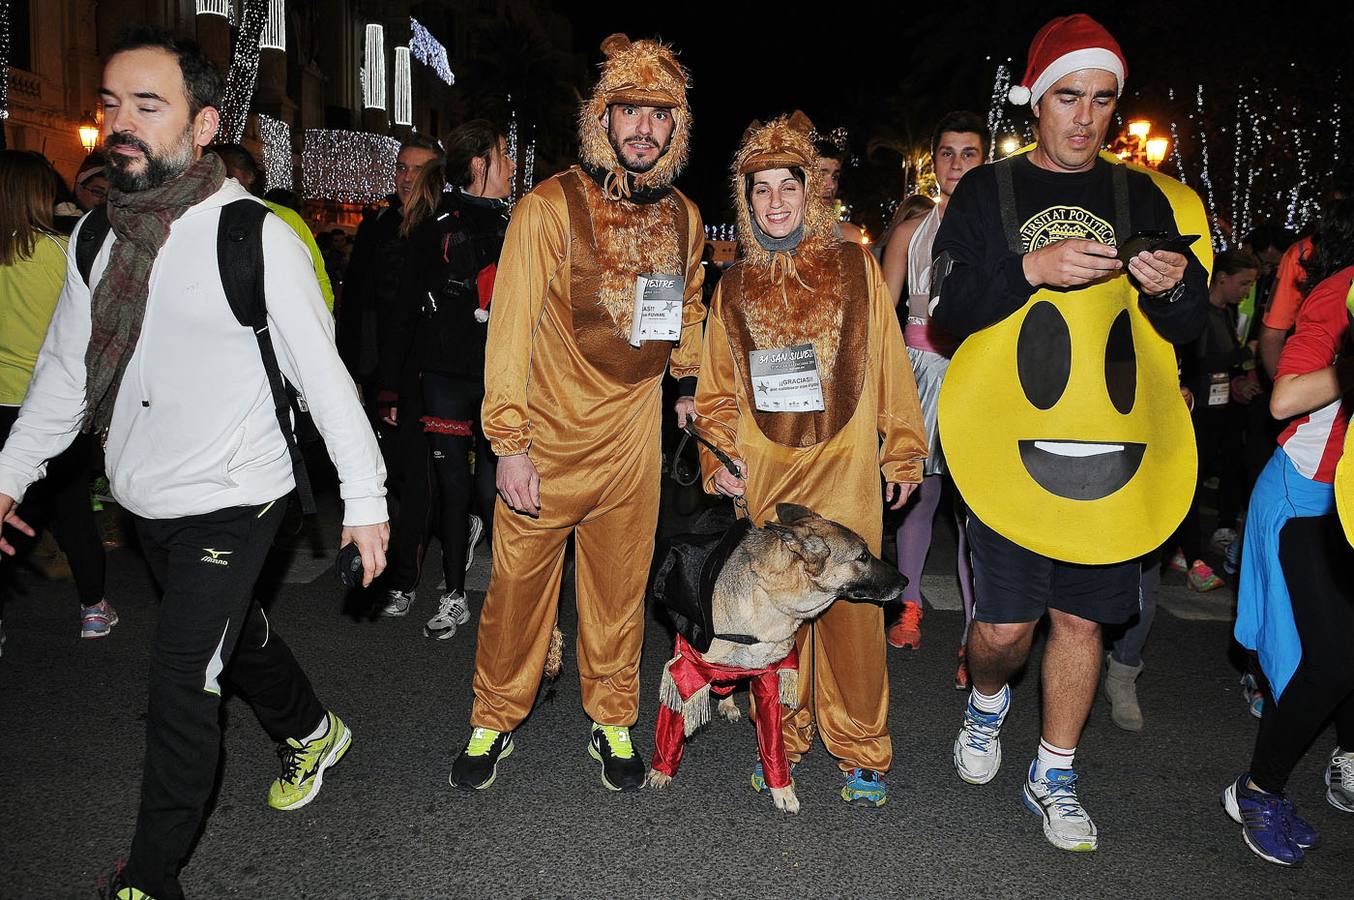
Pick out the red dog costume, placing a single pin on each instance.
(689, 680)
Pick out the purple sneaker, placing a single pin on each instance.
(1267, 822)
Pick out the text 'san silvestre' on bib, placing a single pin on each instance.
(658, 308)
(786, 379)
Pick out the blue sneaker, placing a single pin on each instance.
(1254, 696)
(865, 787)
(759, 777)
(1266, 822)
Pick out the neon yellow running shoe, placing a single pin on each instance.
(303, 765)
(622, 769)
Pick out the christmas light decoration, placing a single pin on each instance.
(244, 71)
(348, 166)
(404, 97)
(222, 8)
(5, 51)
(529, 164)
(277, 155)
(275, 30)
(512, 150)
(429, 51)
(374, 84)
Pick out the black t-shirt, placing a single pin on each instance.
(985, 281)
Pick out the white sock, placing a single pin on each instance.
(997, 703)
(320, 731)
(1051, 757)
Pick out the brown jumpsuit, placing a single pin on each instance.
(831, 462)
(562, 385)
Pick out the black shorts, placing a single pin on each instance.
(1012, 584)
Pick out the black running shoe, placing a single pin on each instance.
(622, 769)
(477, 766)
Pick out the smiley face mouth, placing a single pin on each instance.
(1081, 470)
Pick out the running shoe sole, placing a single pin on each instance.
(493, 773)
(1234, 812)
(862, 802)
(331, 758)
(447, 633)
(1057, 840)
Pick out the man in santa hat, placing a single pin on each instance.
(1028, 246)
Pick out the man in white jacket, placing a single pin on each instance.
(150, 357)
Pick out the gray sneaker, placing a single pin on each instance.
(977, 749)
(452, 611)
(1340, 780)
(398, 603)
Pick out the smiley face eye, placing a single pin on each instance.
(1121, 364)
(1044, 355)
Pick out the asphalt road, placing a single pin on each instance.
(388, 825)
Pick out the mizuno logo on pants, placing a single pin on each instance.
(214, 556)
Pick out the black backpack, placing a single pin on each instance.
(239, 259)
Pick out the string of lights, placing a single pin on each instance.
(222, 8)
(512, 151)
(348, 166)
(277, 153)
(374, 82)
(404, 96)
(275, 31)
(429, 51)
(244, 70)
(5, 51)
(529, 165)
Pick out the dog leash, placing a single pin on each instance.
(689, 432)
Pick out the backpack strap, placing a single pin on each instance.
(1007, 203)
(93, 231)
(1123, 217)
(239, 257)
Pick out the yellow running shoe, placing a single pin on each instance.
(303, 765)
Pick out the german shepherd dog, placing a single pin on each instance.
(778, 577)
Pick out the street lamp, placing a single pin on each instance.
(89, 133)
(1136, 144)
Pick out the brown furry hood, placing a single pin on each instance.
(782, 143)
(645, 73)
(792, 296)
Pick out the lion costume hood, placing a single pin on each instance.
(787, 283)
(645, 73)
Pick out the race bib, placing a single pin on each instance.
(1219, 389)
(786, 379)
(658, 308)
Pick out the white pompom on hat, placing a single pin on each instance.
(1068, 44)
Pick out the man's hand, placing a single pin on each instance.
(7, 517)
(372, 542)
(1070, 263)
(519, 484)
(903, 489)
(686, 407)
(388, 407)
(727, 484)
(1159, 271)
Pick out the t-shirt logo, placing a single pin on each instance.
(1059, 223)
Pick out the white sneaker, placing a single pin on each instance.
(452, 611)
(1340, 781)
(476, 532)
(398, 603)
(1054, 797)
(977, 749)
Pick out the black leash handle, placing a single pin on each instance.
(689, 431)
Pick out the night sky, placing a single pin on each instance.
(884, 71)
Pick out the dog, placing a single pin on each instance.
(776, 578)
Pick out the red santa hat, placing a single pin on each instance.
(1065, 45)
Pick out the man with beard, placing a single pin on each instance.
(162, 371)
(572, 406)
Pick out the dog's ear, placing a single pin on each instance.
(803, 543)
(790, 513)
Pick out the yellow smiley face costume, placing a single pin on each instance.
(1063, 424)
